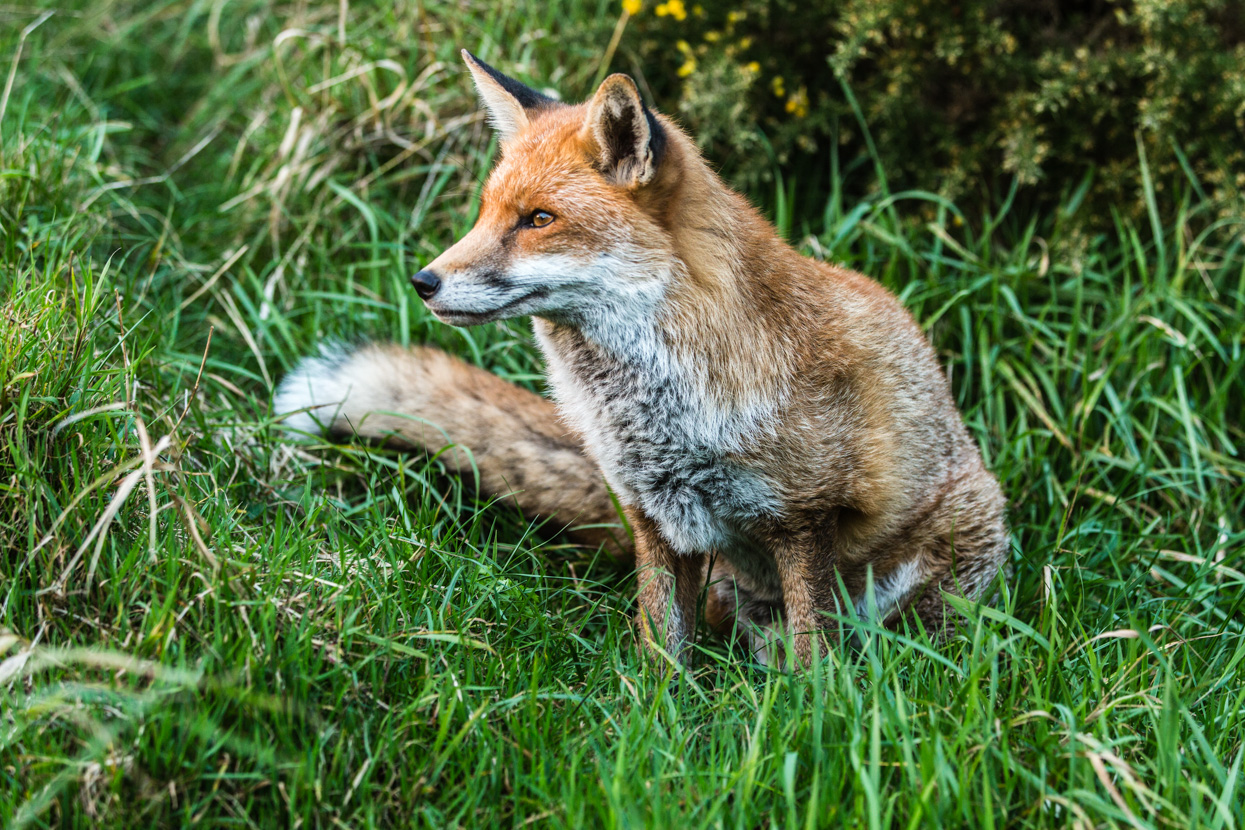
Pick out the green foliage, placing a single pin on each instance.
(203, 623)
(962, 98)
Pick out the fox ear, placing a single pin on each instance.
(629, 139)
(509, 102)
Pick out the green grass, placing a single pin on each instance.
(202, 622)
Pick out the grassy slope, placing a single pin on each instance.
(264, 634)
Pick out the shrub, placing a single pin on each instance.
(962, 98)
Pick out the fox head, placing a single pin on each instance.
(572, 219)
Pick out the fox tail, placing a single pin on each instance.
(424, 399)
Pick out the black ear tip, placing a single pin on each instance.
(525, 95)
(657, 136)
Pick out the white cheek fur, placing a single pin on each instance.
(623, 278)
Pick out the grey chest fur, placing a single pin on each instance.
(662, 447)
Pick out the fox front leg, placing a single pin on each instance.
(806, 568)
(670, 584)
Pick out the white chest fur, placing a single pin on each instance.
(664, 445)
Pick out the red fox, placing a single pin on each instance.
(777, 430)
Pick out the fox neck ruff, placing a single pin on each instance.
(666, 442)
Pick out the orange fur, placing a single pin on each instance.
(780, 416)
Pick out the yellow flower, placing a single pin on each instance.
(753, 67)
(687, 68)
(776, 84)
(797, 104)
(744, 43)
(713, 37)
(632, 7)
(683, 46)
(674, 8)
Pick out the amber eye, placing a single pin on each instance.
(540, 218)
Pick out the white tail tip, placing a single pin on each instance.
(313, 393)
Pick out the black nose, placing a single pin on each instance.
(426, 284)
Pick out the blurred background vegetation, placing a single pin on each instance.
(978, 100)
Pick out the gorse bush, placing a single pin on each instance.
(966, 99)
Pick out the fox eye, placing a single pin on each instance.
(540, 218)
